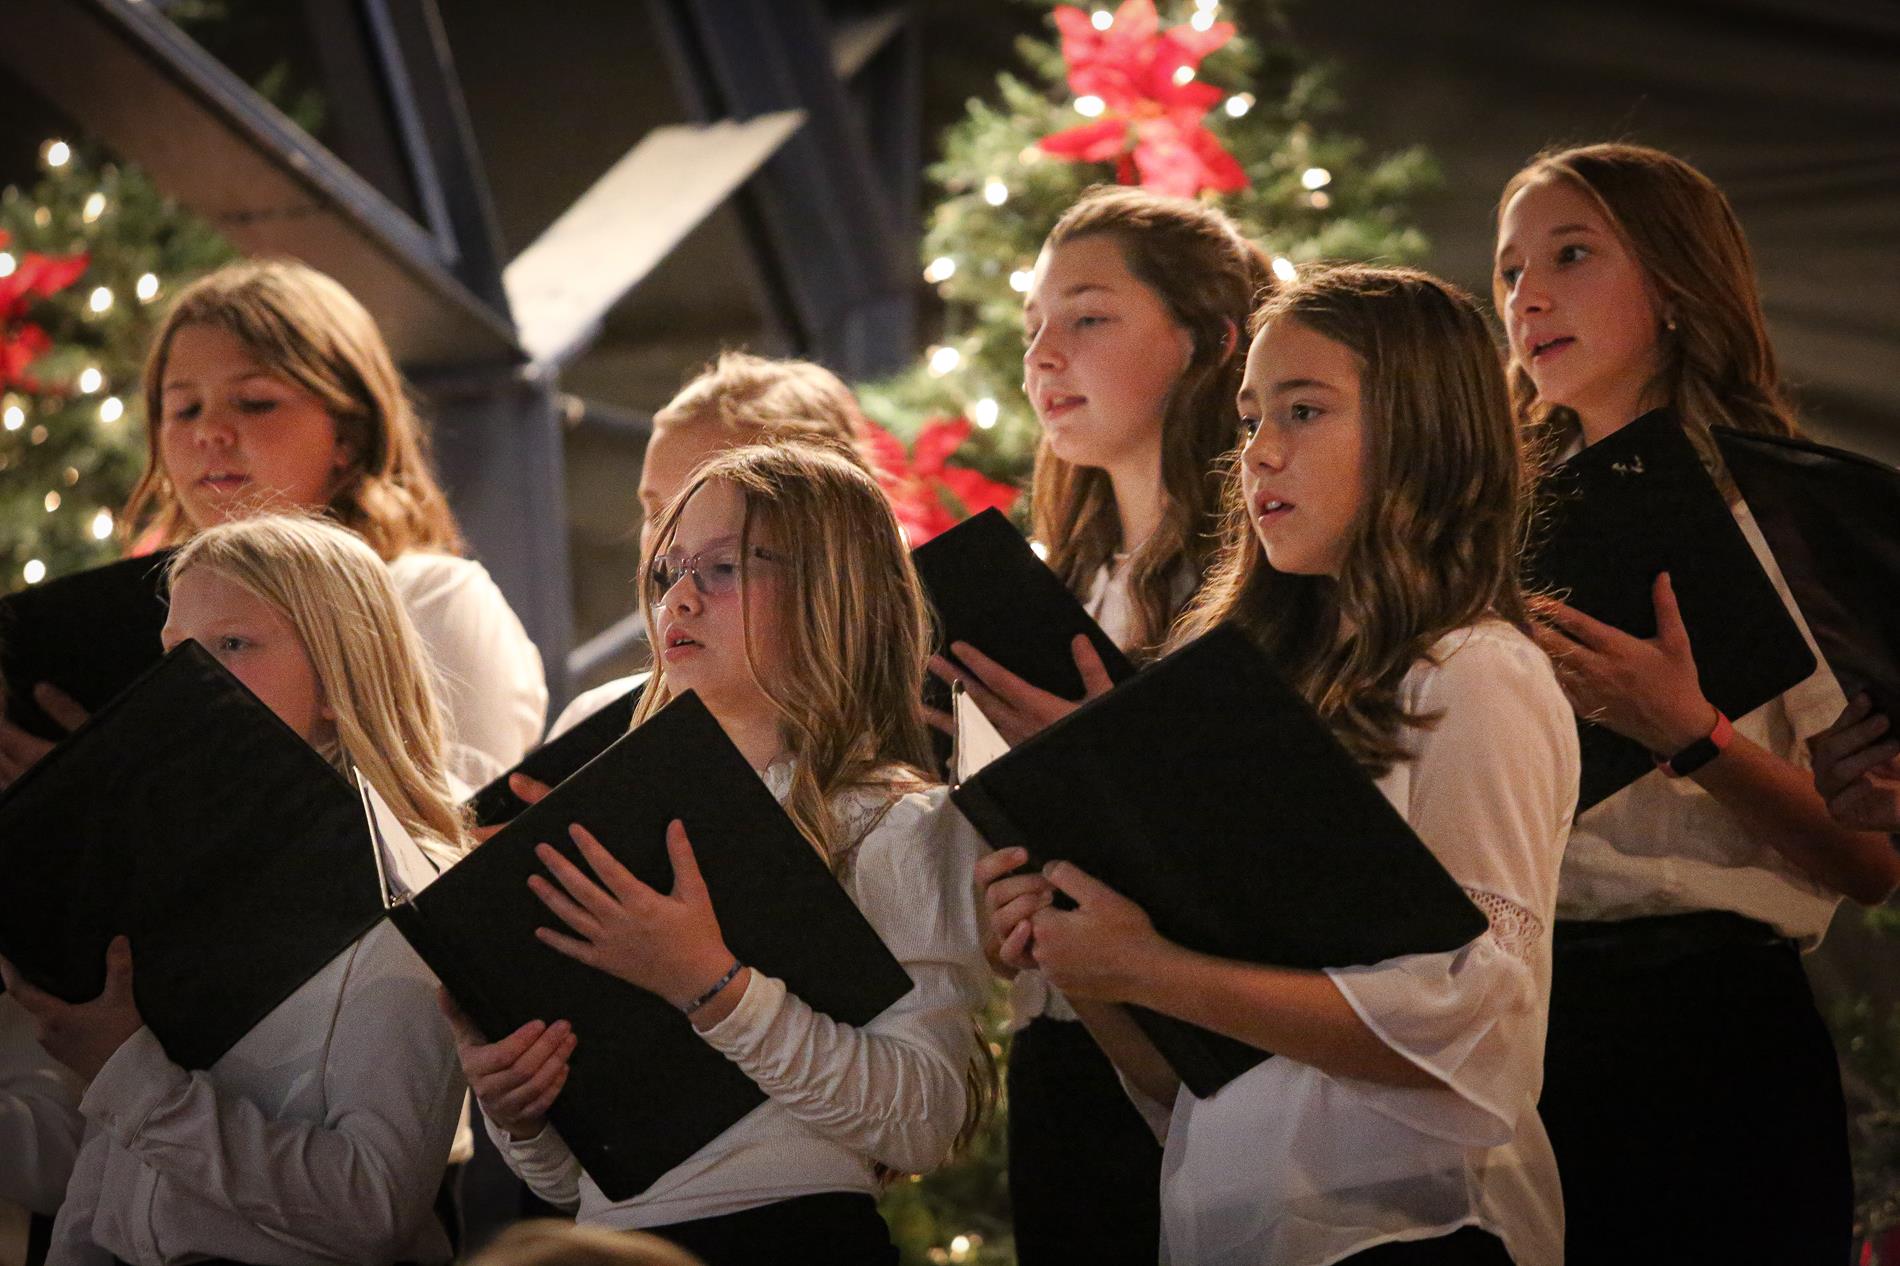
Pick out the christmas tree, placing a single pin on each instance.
(1199, 99)
(87, 257)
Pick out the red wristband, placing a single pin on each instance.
(1700, 752)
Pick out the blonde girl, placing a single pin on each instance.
(321, 1136)
(780, 592)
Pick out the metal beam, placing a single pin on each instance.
(126, 74)
(565, 282)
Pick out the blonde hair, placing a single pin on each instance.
(1209, 277)
(1718, 366)
(1435, 546)
(304, 327)
(754, 399)
(552, 1242)
(854, 627)
(368, 658)
(854, 631)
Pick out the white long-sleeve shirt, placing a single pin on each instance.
(840, 1098)
(1291, 1165)
(320, 1137)
(40, 1125)
(490, 685)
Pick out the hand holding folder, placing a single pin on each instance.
(645, 1092)
(1207, 791)
(90, 635)
(188, 817)
(1613, 518)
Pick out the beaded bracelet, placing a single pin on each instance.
(732, 974)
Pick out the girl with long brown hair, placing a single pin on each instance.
(1688, 1068)
(269, 387)
(780, 592)
(1132, 326)
(1371, 550)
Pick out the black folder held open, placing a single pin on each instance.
(1207, 791)
(186, 816)
(556, 760)
(1832, 520)
(1635, 504)
(645, 1091)
(989, 589)
(91, 634)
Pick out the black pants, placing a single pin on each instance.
(837, 1228)
(1084, 1171)
(1467, 1246)
(1693, 1097)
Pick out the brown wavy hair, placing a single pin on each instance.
(1198, 264)
(1718, 366)
(304, 327)
(1435, 547)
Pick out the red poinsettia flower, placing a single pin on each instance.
(1151, 126)
(34, 276)
(928, 494)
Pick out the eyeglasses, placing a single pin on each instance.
(716, 570)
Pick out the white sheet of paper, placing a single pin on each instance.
(405, 866)
(977, 742)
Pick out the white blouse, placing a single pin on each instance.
(588, 702)
(1294, 1166)
(1665, 846)
(40, 1123)
(489, 681)
(319, 1138)
(841, 1099)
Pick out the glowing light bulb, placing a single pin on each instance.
(1283, 268)
(33, 572)
(7, 264)
(1102, 19)
(1039, 550)
(15, 417)
(1183, 75)
(995, 192)
(94, 208)
(1090, 107)
(984, 412)
(111, 409)
(56, 153)
(944, 359)
(1316, 178)
(1202, 21)
(101, 300)
(102, 525)
(147, 289)
(1020, 280)
(90, 380)
(52, 501)
(942, 268)
(1239, 104)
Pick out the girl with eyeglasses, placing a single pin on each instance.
(779, 590)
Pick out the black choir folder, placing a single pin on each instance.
(557, 760)
(1832, 520)
(91, 634)
(989, 589)
(1208, 792)
(645, 1091)
(186, 816)
(1626, 508)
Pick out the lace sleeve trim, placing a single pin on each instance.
(1516, 930)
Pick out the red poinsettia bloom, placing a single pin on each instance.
(928, 494)
(34, 276)
(1151, 126)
